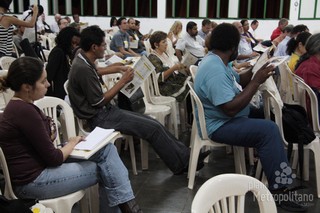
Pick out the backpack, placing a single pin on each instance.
(296, 129)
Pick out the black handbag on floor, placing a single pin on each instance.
(135, 103)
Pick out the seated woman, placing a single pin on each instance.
(171, 82)
(174, 32)
(38, 169)
(308, 67)
(59, 60)
(296, 48)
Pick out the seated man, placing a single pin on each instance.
(192, 42)
(134, 36)
(226, 108)
(90, 102)
(120, 41)
(245, 51)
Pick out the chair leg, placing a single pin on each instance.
(195, 150)
(132, 155)
(316, 152)
(144, 154)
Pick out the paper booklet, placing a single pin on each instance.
(267, 57)
(97, 136)
(142, 69)
(260, 48)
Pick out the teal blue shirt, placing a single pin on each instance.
(216, 84)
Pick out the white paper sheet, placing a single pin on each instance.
(94, 138)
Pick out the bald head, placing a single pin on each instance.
(238, 25)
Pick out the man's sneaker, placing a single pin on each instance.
(287, 199)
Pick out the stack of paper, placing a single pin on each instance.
(97, 136)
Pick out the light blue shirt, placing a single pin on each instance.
(216, 84)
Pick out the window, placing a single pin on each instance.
(308, 9)
(19, 6)
(128, 8)
(229, 9)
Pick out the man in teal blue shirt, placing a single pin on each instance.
(226, 96)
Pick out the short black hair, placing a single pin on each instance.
(120, 20)
(91, 35)
(254, 21)
(243, 21)
(5, 4)
(299, 28)
(224, 37)
(190, 25)
(64, 39)
(205, 22)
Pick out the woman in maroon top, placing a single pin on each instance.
(308, 67)
(39, 170)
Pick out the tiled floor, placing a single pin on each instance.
(159, 191)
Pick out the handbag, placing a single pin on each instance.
(135, 103)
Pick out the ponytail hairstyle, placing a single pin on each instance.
(294, 42)
(24, 70)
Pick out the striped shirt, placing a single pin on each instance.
(6, 40)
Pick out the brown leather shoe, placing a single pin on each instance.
(130, 207)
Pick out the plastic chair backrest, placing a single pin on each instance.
(50, 107)
(147, 46)
(199, 112)
(272, 104)
(5, 62)
(193, 70)
(305, 92)
(8, 191)
(226, 193)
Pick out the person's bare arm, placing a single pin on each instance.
(68, 148)
(127, 76)
(241, 100)
(179, 54)
(112, 69)
(15, 21)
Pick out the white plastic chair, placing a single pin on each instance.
(226, 193)
(153, 96)
(271, 103)
(198, 142)
(83, 131)
(5, 62)
(60, 204)
(193, 70)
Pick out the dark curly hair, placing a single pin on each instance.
(224, 37)
(64, 39)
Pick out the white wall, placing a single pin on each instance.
(162, 23)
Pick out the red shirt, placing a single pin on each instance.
(276, 33)
(309, 70)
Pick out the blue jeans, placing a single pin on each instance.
(263, 135)
(173, 152)
(105, 167)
